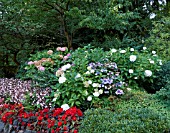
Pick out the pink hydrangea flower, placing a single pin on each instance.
(41, 68)
(30, 62)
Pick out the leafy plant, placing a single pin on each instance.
(135, 66)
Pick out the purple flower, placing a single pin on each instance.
(119, 92)
(30, 62)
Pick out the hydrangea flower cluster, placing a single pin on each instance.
(105, 78)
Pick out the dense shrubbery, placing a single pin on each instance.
(128, 120)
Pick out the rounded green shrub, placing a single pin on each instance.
(130, 120)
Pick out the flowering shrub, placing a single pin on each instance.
(74, 80)
(18, 91)
(136, 67)
(45, 120)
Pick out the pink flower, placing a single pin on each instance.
(49, 52)
(68, 55)
(30, 62)
(41, 68)
(62, 49)
(65, 57)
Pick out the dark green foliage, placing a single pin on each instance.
(162, 77)
(164, 95)
(142, 120)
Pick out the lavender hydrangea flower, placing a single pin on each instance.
(119, 92)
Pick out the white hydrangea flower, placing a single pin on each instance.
(62, 79)
(153, 52)
(160, 62)
(54, 99)
(130, 70)
(129, 89)
(92, 71)
(122, 51)
(89, 68)
(151, 61)
(77, 76)
(89, 98)
(90, 82)
(95, 84)
(100, 91)
(87, 73)
(133, 58)
(96, 94)
(65, 107)
(132, 49)
(144, 48)
(113, 50)
(148, 73)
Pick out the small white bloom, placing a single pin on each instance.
(89, 98)
(90, 82)
(148, 73)
(77, 76)
(130, 70)
(96, 90)
(92, 71)
(65, 107)
(160, 62)
(96, 94)
(64, 68)
(144, 48)
(132, 49)
(133, 58)
(151, 61)
(87, 73)
(153, 52)
(54, 99)
(135, 77)
(62, 79)
(100, 91)
(89, 68)
(122, 51)
(113, 50)
(129, 89)
(68, 66)
(95, 85)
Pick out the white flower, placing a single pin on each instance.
(54, 99)
(87, 73)
(90, 82)
(95, 85)
(92, 71)
(68, 66)
(113, 50)
(65, 107)
(122, 51)
(64, 68)
(153, 52)
(77, 76)
(133, 58)
(129, 89)
(144, 48)
(160, 62)
(132, 49)
(151, 61)
(89, 68)
(148, 73)
(130, 70)
(96, 94)
(62, 79)
(100, 91)
(89, 98)
(135, 77)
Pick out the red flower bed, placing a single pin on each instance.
(45, 120)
